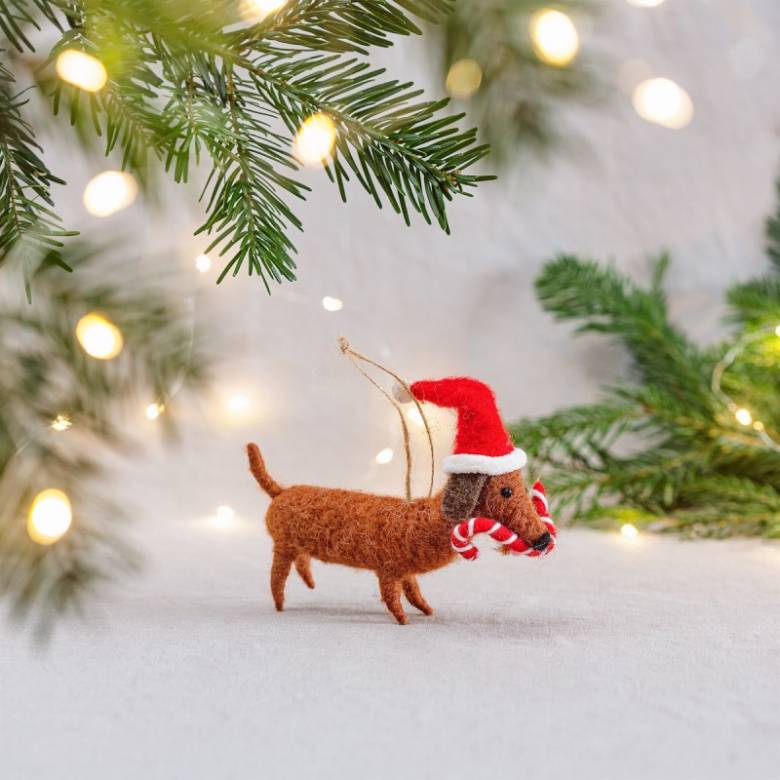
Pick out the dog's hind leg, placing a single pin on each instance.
(413, 595)
(280, 568)
(390, 588)
(303, 567)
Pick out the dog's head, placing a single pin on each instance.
(503, 498)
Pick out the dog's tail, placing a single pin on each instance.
(257, 467)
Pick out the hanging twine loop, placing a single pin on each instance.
(356, 359)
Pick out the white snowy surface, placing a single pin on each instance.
(611, 659)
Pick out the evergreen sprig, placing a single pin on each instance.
(189, 83)
(662, 449)
(44, 373)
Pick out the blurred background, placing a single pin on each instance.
(620, 129)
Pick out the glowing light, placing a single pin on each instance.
(664, 103)
(645, 3)
(223, 517)
(99, 337)
(554, 37)
(384, 456)
(256, 10)
(629, 531)
(153, 411)
(758, 425)
(777, 331)
(315, 139)
(203, 263)
(109, 192)
(82, 70)
(743, 417)
(50, 516)
(238, 403)
(61, 423)
(463, 79)
(414, 417)
(332, 304)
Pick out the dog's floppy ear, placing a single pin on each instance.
(461, 494)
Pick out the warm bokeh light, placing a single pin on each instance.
(82, 70)
(463, 79)
(203, 263)
(332, 304)
(743, 417)
(414, 417)
(61, 423)
(645, 3)
(384, 456)
(315, 139)
(629, 531)
(777, 331)
(256, 10)
(758, 425)
(50, 516)
(238, 403)
(224, 516)
(554, 37)
(109, 192)
(663, 102)
(99, 337)
(153, 411)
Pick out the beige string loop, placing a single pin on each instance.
(354, 357)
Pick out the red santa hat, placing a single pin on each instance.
(482, 444)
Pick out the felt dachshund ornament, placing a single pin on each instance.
(400, 539)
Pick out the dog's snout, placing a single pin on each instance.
(542, 542)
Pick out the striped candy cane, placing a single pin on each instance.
(462, 534)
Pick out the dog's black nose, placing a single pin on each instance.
(542, 542)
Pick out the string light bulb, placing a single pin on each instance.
(223, 517)
(332, 304)
(257, 10)
(238, 403)
(464, 79)
(50, 516)
(99, 337)
(414, 416)
(203, 263)
(663, 102)
(81, 69)
(153, 411)
(743, 417)
(629, 531)
(109, 192)
(384, 456)
(554, 37)
(315, 139)
(61, 423)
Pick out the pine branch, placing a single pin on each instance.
(182, 83)
(45, 373)
(27, 221)
(608, 303)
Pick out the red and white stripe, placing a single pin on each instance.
(463, 533)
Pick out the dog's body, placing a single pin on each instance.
(397, 539)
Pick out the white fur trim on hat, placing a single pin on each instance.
(485, 464)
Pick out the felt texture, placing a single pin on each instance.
(395, 538)
(480, 430)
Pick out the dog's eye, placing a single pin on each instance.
(506, 492)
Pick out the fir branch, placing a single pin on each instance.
(27, 220)
(184, 83)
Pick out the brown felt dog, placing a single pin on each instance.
(397, 539)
